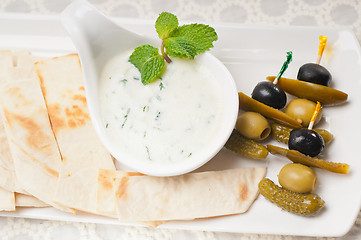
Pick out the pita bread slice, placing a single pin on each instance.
(32, 143)
(81, 150)
(22, 200)
(8, 60)
(106, 201)
(8, 179)
(7, 200)
(189, 196)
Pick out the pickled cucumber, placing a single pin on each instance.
(249, 104)
(297, 157)
(246, 147)
(311, 91)
(282, 133)
(326, 135)
(298, 203)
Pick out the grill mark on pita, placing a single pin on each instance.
(105, 181)
(7, 113)
(57, 122)
(80, 97)
(82, 88)
(122, 189)
(37, 162)
(35, 137)
(15, 91)
(243, 191)
(76, 117)
(41, 79)
(106, 172)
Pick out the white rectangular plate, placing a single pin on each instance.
(251, 53)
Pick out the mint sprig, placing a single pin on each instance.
(184, 41)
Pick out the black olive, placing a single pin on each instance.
(270, 94)
(306, 141)
(314, 73)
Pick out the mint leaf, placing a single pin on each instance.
(142, 54)
(165, 24)
(195, 36)
(152, 69)
(180, 47)
(149, 62)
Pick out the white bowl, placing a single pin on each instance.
(98, 40)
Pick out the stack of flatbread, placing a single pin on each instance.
(50, 155)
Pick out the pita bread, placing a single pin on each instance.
(82, 152)
(7, 200)
(32, 143)
(8, 60)
(8, 179)
(106, 201)
(189, 196)
(22, 200)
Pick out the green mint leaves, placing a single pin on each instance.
(149, 62)
(190, 40)
(165, 24)
(184, 41)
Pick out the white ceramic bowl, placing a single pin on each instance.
(97, 40)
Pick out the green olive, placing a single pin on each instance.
(253, 125)
(302, 110)
(297, 178)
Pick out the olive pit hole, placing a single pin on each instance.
(265, 133)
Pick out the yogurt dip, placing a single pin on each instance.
(164, 122)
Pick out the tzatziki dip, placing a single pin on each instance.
(166, 121)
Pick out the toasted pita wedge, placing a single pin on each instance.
(189, 196)
(32, 143)
(7, 200)
(82, 152)
(8, 180)
(8, 60)
(106, 201)
(22, 200)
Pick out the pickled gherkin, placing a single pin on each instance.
(282, 133)
(311, 91)
(298, 203)
(246, 147)
(250, 104)
(297, 157)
